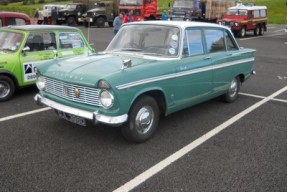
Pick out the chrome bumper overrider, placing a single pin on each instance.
(94, 116)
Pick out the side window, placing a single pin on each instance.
(250, 14)
(230, 44)
(263, 13)
(193, 42)
(41, 41)
(69, 40)
(256, 14)
(11, 21)
(1, 23)
(214, 40)
(20, 21)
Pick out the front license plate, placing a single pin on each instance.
(72, 118)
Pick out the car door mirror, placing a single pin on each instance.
(25, 50)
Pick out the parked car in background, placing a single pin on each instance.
(242, 18)
(49, 8)
(13, 18)
(24, 47)
(149, 69)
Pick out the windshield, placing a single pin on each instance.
(237, 12)
(131, 2)
(10, 41)
(162, 41)
(186, 4)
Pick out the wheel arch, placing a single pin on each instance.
(157, 94)
(11, 76)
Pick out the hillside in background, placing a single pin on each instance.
(277, 9)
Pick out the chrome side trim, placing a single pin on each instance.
(94, 116)
(184, 73)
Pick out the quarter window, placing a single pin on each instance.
(214, 40)
(70, 40)
(230, 45)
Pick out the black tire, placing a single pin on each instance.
(143, 120)
(232, 94)
(110, 24)
(242, 32)
(71, 21)
(256, 30)
(261, 30)
(7, 88)
(100, 22)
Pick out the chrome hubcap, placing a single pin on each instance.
(144, 119)
(233, 88)
(4, 89)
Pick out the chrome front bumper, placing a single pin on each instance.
(94, 116)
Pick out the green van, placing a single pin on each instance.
(23, 47)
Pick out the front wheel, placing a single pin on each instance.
(143, 120)
(100, 22)
(242, 32)
(71, 21)
(7, 88)
(233, 91)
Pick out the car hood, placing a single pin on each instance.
(88, 70)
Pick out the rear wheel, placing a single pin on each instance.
(7, 88)
(261, 31)
(110, 24)
(143, 120)
(232, 93)
(256, 30)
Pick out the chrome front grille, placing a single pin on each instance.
(77, 93)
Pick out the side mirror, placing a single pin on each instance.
(25, 50)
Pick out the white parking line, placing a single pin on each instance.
(244, 39)
(24, 114)
(183, 151)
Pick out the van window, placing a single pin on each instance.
(263, 13)
(256, 14)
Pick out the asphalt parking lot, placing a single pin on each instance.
(213, 146)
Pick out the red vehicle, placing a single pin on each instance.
(13, 18)
(143, 9)
(243, 18)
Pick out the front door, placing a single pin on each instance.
(39, 47)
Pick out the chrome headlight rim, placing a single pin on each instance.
(41, 82)
(106, 99)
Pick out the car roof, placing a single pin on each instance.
(180, 24)
(41, 27)
(240, 6)
(13, 14)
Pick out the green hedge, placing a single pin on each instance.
(22, 9)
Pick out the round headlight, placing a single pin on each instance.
(41, 83)
(106, 99)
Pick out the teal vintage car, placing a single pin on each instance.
(149, 69)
